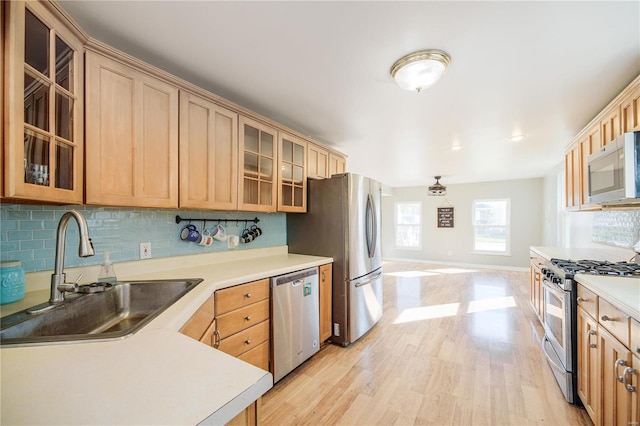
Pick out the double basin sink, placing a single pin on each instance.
(117, 312)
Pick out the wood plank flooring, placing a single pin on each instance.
(455, 346)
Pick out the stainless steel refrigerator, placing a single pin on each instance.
(343, 222)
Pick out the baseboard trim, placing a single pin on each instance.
(466, 265)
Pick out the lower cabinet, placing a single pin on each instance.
(325, 302)
(536, 296)
(608, 371)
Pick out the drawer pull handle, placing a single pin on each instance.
(247, 342)
(589, 334)
(216, 339)
(628, 372)
(248, 295)
(247, 318)
(620, 363)
(607, 318)
(638, 349)
(582, 299)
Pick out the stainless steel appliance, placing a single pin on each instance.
(560, 341)
(343, 222)
(614, 171)
(295, 320)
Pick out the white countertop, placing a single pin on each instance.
(611, 254)
(157, 375)
(623, 293)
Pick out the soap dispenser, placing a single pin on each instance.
(107, 274)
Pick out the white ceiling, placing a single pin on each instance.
(540, 68)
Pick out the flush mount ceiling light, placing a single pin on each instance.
(419, 70)
(517, 138)
(437, 189)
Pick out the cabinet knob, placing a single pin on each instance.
(247, 342)
(248, 295)
(247, 318)
(606, 318)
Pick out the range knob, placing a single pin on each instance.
(556, 280)
(544, 271)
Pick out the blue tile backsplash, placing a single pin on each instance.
(28, 233)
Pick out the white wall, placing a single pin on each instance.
(456, 244)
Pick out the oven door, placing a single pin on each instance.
(557, 322)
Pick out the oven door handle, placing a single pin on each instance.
(553, 288)
(546, 354)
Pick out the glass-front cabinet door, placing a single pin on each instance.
(258, 157)
(292, 178)
(44, 136)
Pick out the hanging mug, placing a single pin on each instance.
(190, 233)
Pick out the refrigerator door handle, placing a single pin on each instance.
(368, 281)
(370, 227)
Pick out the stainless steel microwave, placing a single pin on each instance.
(614, 171)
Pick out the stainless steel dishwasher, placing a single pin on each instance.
(295, 320)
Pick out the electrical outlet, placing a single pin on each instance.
(145, 250)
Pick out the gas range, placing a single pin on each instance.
(566, 269)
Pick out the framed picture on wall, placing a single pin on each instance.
(445, 217)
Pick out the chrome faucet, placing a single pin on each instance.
(58, 278)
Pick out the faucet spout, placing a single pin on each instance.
(85, 249)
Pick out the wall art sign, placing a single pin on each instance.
(445, 217)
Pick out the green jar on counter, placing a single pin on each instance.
(12, 284)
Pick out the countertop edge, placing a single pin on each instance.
(611, 288)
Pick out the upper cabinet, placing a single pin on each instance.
(337, 164)
(620, 116)
(292, 179)
(258, 158)
(132, 126)
(43, 105)
(317, 162)
(208, 154)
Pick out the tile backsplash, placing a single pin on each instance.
(619, 228)
(28, 233)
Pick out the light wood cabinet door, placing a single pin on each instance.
(630, 111)
(132, 123)
(250, 416)
(292, 174)
(588, 379)
(43, 101)
(258, 159)
(572, 178)
(610, 126)
(337, 164)
(614, 357)
(317, 162)
(208, 154)
(633, 377)
(535, 291)
(325, 301)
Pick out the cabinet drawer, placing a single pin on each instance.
(588, 301)
(635, 338)
(200, 321)
(258, 356)
(536, 261)
(235, 321)
(247, 339)
(236, 297)
(614, 320)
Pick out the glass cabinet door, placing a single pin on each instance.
(258, 157)
(292, 188)
(46, 121)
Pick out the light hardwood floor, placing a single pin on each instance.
(455, 346)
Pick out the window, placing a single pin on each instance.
(491, 226)
(408, 224)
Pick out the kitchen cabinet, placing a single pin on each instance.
(242, 322)
(572, 177)
(607, 367)
(132, 123)
(325, 285)
(43, 104)
(630, 111)
(610, 125)
(591, 142)
(535, 286)
(588, 380)
(292, 174)
(201, 325)
(208, 154)
(317, 162)
(258, 159)
(337, 164)
(250, 416)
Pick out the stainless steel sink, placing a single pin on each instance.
(115, 313)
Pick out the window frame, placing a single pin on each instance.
(507, 226)
(397, 225)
